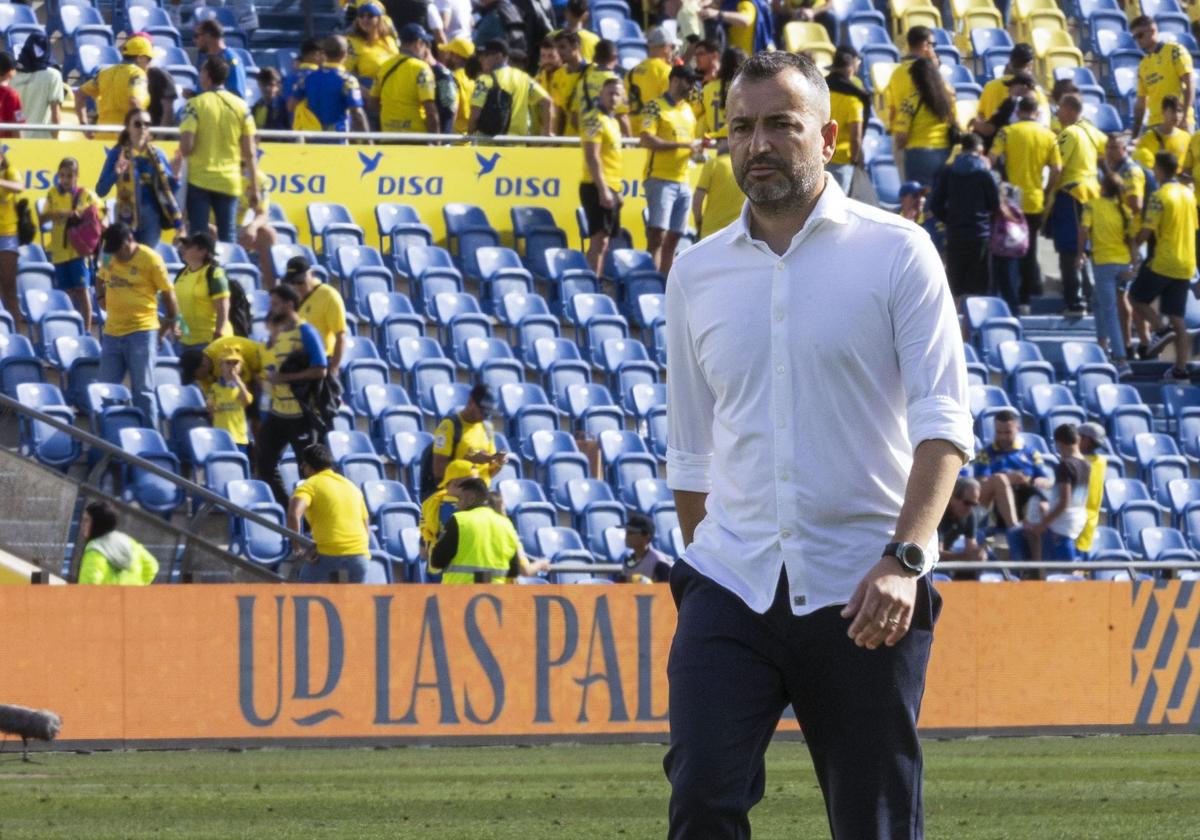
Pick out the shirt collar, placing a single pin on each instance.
(832, 206)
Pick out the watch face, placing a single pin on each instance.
(913, 557)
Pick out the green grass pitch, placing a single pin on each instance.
(1027, 788)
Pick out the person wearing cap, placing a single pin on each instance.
(120, 88)
(900, 86)
(576, 15)
(39, 86)
(669, 131)
(404, 88)
(1165, 70)
(216, 138)
(440, 505)
(336, 513)
(717, 201)
(1018, 85)
(965, 199)
(650, 78)
(322, 306)
(227, 397)
(479, 545)
(600, 186)
(372, 43)
(1091, 447)
(1022, 61)
(849, 107)
(130, 284)
(202, 290)
(64, 203)
(1166, 136)
(331, 94)
(526, 94)
(201, 366)
(468, 436)
(456, 53)
(210, 43)
(643, 562)
(295, 356)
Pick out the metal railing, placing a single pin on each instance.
(324, 137)
(1068, 565)
(207, 499)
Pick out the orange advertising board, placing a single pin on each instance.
(324, 663)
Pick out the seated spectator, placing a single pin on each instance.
(479, 545)
(228, 398)
(1049, 532)
(271, 110)
(961, 521)
(111, 556)
(468, 436)
(337, 516)
(440, 506)
(965, 199)
(644, 563)
(1091, 445)
(1009, 472)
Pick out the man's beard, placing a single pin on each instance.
(793, 191)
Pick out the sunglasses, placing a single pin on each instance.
(139, 124)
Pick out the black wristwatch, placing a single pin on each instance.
(910, 555)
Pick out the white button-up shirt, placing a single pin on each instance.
(799, 386)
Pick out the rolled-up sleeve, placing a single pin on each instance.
(930, 350)
(689, 401)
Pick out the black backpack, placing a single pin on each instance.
(26, 227)
(241, 317)
(428, 484)
(496, 113)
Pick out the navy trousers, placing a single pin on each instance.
(732, 672)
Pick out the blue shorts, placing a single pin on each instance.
(668, 203)
(9, 243)
(72, 274)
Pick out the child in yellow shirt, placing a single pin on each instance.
(228, 398)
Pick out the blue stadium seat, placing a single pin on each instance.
(182, 408)
(36, 303)
(864, 34)
(548, 352)
(1135, 517)
(649, 494)
(56, 325)
(1111, 397)
(1190, 519)
(634, 273)
(885, 177)
(1023, 378)
(79, 360)
(557, 461)
(376, 494)
(18, 363)
(492, 359)
(1165, 544)
(327, 220)
(500, 272)
(618, 355)
(560, 545)
(357, 375)
(649, 309)
(528, 518)
(583, 492)
(342, 444)
(1053, 405)
(450, 305)
(597, 520)
(1178, 399)
(406, 450)
(49, 446)
(643, 398)
(255, 542)
(428, 377)
(204, 441)
(515, 306)
(534, 230)
(592, 409)
(390, 411)
(656, 432)
(223, 467)
(516, 493)
(1013, 353)
(1182, 492)
(983, 397)
(569, 274)
(432, 271)
(1090, 377)
(516, 399)
(399, 219)
(467, 228)
(583, 307)
(449, 398)
(462, 329)
(350, 259)
(151, 492)
(280, 254)
(1107, 119)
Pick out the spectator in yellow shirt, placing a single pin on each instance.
(66, 202)
(202, 290)
(1166, 136)
(372, 43)
(575, 18)
(999, 95)
(404, 88)
(669, 132)
(526, 94)
(711, 108)
(900, 87)
(468, 436)
(1171, 220)
(12, 184)
(456, 54)
(1080, 143)
(337, 516)
(718, 199)
(1166, 70)
(322, 306)
(921, 131)
(228, 398)
(600, 186)
(118, 89)
(131, 281)
(651, 77)
(1109, 227)
(440, 506)
(849, 106)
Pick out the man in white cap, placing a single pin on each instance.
(650, 79)
(1091, 446)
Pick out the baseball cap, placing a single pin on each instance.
(410, 33)
(137, 46)
(483, 397)
(913, 188)
(657, 37)
(296, 270)
(458, 469)
(461, 46)
(1092, 430)
(373, 9)
(1021, 79)
(1021, 55)
(496, 47)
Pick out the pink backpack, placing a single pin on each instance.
(83, 234)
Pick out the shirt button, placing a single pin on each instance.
(779, 266)
(779, 369)
(779, 315)
(785, 535)
(781, 422)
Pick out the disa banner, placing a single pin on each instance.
(496, 178)
(317, 664)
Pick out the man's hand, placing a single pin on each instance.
(331, 372)
(499, 459)
(478, 457)
(539, 566)
(882, 605)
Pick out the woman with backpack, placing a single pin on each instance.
(202, 290)
(12, 182)
(146, 186)
(76, 214)
(925, 127)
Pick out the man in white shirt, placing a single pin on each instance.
(818, 417)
